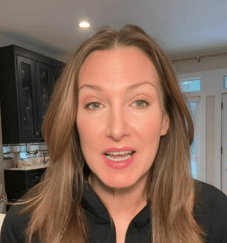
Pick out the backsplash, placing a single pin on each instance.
(26, 156)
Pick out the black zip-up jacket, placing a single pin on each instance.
(212, 217)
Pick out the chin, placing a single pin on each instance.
(118, 183)
(113, 181)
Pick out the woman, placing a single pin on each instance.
(118, 133)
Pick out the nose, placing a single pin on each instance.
(118, 124)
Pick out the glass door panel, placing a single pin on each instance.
(224, 144)
(193, 106)
(25, 80)
(45, 79)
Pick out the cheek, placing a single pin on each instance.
(150, 127)
(82, 127)
(88, 132)
(150, 139)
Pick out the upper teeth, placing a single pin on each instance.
(119, 153)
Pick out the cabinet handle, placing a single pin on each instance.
(37, 133)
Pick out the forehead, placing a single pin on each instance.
(127, 65)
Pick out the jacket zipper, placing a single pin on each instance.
(111, 222)
(114, 229)
(113, 225)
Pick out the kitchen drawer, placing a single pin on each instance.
(17, 183)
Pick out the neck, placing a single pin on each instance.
(122, 203)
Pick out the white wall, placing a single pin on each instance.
(33, 45)
(211, 70)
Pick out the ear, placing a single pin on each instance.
(165, 124)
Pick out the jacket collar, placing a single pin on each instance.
(99, 213)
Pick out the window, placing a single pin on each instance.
(193, 106)
(7, 150)
(190, 85)
(225, 82)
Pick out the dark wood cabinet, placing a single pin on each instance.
(26, 84)
(45, 76)
(26, 89)
(18, 182)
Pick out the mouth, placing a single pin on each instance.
(117, 153)
(119, 156)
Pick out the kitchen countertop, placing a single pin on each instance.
(2, 216)
(34, 167)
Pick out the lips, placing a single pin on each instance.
(118, 162)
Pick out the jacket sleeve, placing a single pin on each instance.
(213, 214)
(219, 216)
(225, 239)
(13, 226)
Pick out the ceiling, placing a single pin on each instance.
(184, 28)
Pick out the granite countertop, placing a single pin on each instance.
(2, 216)
(33, 167)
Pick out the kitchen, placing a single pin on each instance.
(50, 30)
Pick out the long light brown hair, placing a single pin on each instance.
(56, 212)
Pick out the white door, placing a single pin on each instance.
(224, 144)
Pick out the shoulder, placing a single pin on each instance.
(210, 197)
(212, 212)
(14, 225)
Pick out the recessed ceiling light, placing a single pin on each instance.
(84, 24)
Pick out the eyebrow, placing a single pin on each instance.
(95, 87)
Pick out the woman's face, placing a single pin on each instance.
(119, 105)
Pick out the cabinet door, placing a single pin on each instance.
(15, 184)
(25, 71)
(52, 79)
(44, 84)
(33, 177)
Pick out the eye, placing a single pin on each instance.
(143, 102)
(95, 105)
(90, 104)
